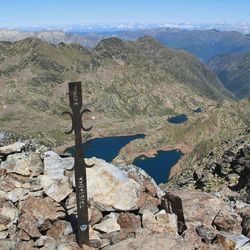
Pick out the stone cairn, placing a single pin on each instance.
(127, 209)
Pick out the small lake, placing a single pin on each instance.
(198, 110)
(178, 119)
(158, 167)
(107, 148)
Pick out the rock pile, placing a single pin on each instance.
(127, 210)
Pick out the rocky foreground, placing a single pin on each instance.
(127, 210)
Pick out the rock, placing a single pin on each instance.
(22, 235)
(96, 216)
(118, 236)
(106, 183)
(70, 204)
(29, 224)
(25, 245)
(246, 226)
(199, 208)
(7, 244)
(57, 189)
(173, 204)
(94, 238)
(69, 246)
(60, 229)
(4, 221)
(108, 225)
(231, 241)
(49, 243)
(44, 208)
(44, 225)
(4, 234)
(147, 202)
(207, 234)
(129, 222)
(22, 163)
(8, 210)
(160, 222)
(17, 194)
(54, 165)
(245, 247)
(155, 241)
(40, 242)
(228, 220)
(12, 148)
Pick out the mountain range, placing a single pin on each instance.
(121, 80)
(205, 44)
(234, 72)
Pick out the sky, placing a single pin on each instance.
(61, 12)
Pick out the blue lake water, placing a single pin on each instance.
(178, 118)
(198, 110)
(107, 148)
(159, 166)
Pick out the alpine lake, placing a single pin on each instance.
(158, 167)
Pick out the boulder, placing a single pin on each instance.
(199, 208)
(12, 148)
(155, 241)
(44, 208)
(231, 241)
(60, 229)
(228, 220)
(160, 222)
(29, 224)
(109, 224)
(129, 222)
(57, 189)
(9, 214)
(25, 164)
(110, 188)
(54, 165)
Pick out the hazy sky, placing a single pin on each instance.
(51, 12)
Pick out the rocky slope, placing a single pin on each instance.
(233, 71)
(121, 80)
(226, 167)
(38, 209)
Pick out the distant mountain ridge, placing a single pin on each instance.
(234, 72)
(205, 44)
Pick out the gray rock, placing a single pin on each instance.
(54, 165)
(109, 224)
(12, 148)
(57, 189)
(155, 241)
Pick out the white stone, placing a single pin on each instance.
(57, 189)
(54, 165)
(106, 183)
(109, 225)
(15, 147)
(17, 194)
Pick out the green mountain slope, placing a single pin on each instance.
(234, 72)
(121, 80)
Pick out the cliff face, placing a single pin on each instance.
(127, 210)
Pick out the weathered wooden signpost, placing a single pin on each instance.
(75, 99)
